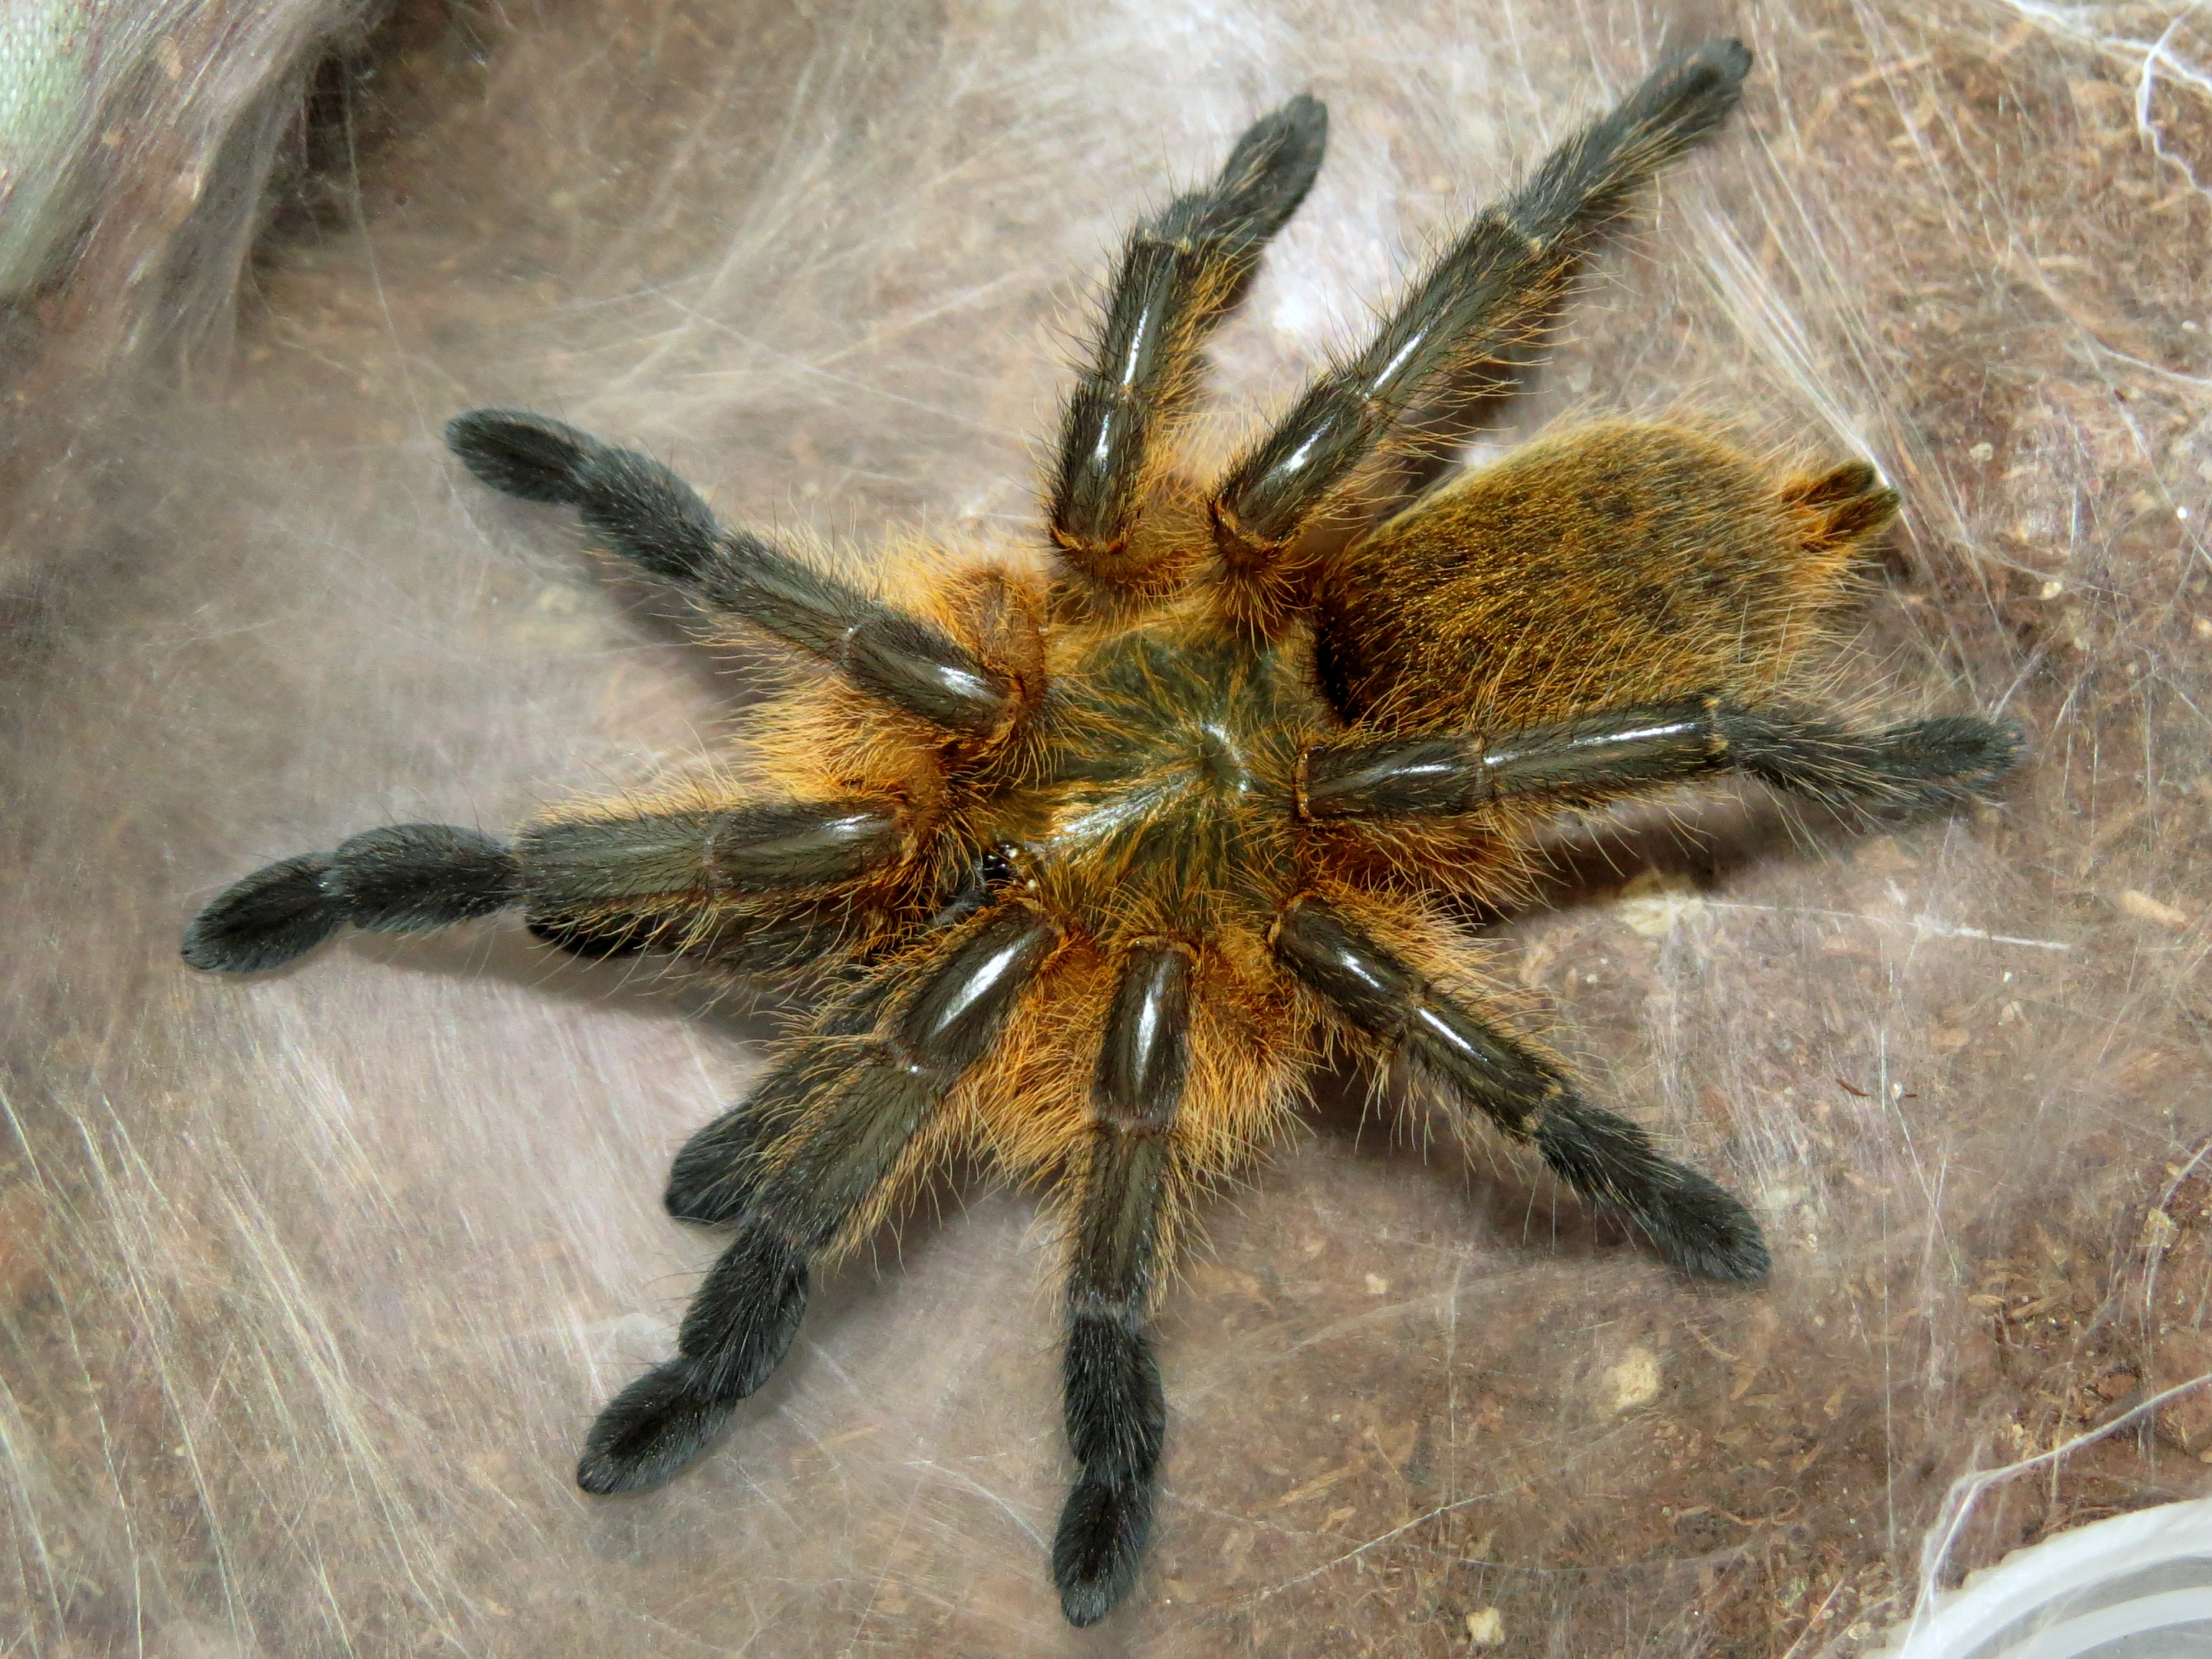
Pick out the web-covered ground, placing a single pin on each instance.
(310, 1284)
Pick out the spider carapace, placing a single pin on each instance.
(1091, 855)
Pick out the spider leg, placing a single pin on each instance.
(407, 878)
(1181, 274)
(1115, 1415)
(720, 882)
(713, 1174)
(717, 1170)
(1921, 764)
(1488, 295)
(847, 1116)
(597, 886)
(743, 850)
(646, 513)
(1608, 1160)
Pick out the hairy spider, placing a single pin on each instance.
(1092, 862)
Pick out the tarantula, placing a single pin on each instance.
(1091, 863)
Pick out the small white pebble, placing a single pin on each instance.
(2180, 511)
(1377, 1285)
(2188, 328)
(2051, 590)
(1634, 1382)
(2203, 627)
(1982, 452)
(1486, 1627)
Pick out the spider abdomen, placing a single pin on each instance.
(1616, 563)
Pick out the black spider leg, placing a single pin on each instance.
(1115, 1415)
(1923, 763)
(719, 1170)
(741, 882)
(412, 877)
(408, 877)
(713, 1174)
(1182, 271)
(641, 510)
(847, 1113)
(1608, 1160)
(1487, 296)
